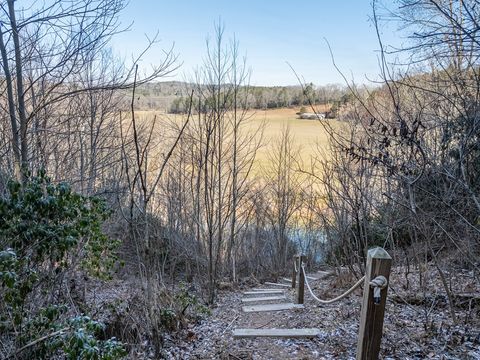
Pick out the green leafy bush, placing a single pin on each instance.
(187, 300)
(184, 306)
(45, 230)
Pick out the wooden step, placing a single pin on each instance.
(271, 307)
(277, 284)
(268, 298)
(277, 333)
(268, 292)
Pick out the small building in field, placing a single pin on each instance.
(312, 116)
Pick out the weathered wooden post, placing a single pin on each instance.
(300, 280)
(373, 307)
(294, 272)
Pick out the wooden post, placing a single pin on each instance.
(300, 280)
(294, 273)
(371, 318)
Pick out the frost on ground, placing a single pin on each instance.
(414, 327)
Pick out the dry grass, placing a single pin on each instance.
(309, 136)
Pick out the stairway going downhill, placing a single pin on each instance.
(259, 296)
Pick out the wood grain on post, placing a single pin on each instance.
(294, 273)
(300, 280)
(371, 319)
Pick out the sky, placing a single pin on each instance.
(271, 33)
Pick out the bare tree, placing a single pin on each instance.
(45, 51)
(413, 137)
(283, 184)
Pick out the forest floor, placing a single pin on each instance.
(413, 329)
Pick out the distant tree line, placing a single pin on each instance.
(268, 97)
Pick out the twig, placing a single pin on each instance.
(261, 326)
(230, 324)
(43, 338)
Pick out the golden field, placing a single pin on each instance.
(308, 135)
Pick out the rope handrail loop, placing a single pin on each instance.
(378, 284)
(340, 297)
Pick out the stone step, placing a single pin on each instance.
(277, 284)
(260, 289)
(277, 333)
(308, 277)
(268, 292)
(268, 298)
(271, 307)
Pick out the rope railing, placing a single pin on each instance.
(377, 272)
(346, 293)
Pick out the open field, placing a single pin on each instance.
(309, 136)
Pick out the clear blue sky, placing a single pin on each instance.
(270, 32)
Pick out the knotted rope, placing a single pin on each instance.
(379, 283)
